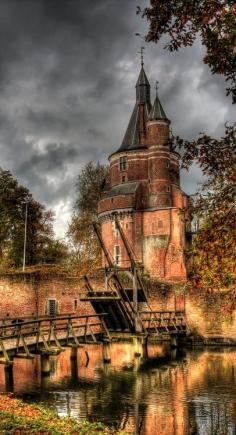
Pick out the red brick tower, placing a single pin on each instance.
(145, 193)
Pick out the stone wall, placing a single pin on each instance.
(208, 313)
(26, 294)
(212, 313)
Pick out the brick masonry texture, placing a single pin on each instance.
(155, 216)
(27, 295)
(209, 313)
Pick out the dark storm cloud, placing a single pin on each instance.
(53, 158)
(67, 75)
(47, 120)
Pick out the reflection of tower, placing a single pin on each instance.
(144, 192)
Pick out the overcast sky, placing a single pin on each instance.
(67, 74)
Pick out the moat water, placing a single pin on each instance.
(166, 392)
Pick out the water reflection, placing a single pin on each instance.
(170, 392)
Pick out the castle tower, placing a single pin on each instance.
(145, 194)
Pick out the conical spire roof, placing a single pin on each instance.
(131, 137)
(157, 111)
(142, 88)
(142, 78)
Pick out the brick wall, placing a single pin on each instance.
(157, 199)
(113, 238)
(157, 133)
(212, 313)
(27, 294)
(116, 202)
(209, 313)
(163, 241)
(137, 167)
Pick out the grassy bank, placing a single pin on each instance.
(19, 418)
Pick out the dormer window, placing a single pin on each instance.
(123, 163)
(124, 178)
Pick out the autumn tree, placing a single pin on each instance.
(86, 252)
(40, 241)
(213, 21)
(213, 251)
(213, 254)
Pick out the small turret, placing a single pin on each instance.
(157, 111)
(158, 124)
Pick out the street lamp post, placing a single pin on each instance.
(25, 235)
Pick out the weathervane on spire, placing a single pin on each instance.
(141, 54)
(157, 87)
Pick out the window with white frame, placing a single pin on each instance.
(117, 254)
(123, 163)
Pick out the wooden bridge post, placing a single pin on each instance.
(173, 341)
(138, 346)
(74, 362)
(173, 354)
(73, 353)
(145, 347)
(45, 364)
(137, 363)
(106, 353)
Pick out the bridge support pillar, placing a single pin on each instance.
(9, 380)
(74, 362)
(173, 354)
(138, 346)
(73, 352)
(106, 353)
(45, 364)
(145, 347)
(173, 342)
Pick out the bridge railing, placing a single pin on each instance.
(41, 332)
(159, 321)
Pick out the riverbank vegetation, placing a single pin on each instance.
(19, 418)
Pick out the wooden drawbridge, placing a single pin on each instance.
(128, 309)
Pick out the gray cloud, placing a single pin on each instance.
(67, 87)
(53, 158)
